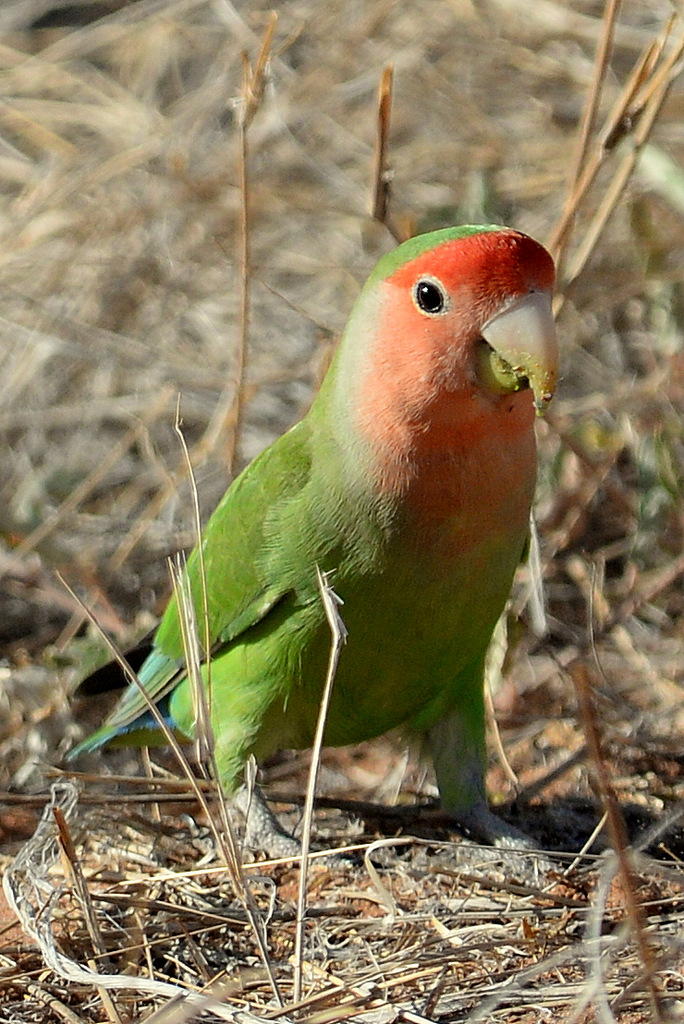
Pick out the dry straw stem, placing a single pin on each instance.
(331, 604)
(620, 841)
(557, 242)
(382, 173)
(655, 94)
(202, 697)
(631, 121)
(229, 412)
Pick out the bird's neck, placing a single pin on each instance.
(464, 471)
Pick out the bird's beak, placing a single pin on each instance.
(524, 347)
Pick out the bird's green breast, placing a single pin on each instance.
(419, 606)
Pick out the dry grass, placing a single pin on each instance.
(130, 253)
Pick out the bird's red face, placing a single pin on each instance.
(464, 343)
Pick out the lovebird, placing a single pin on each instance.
(409, 483)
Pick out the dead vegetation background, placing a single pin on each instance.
(121, 289)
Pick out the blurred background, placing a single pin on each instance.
(121, 290)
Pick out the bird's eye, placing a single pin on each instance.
(430, 297)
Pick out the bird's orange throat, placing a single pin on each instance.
(464, 466)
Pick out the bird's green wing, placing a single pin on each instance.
(242, 587)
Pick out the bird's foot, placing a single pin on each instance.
(264, 833)
(503, 843)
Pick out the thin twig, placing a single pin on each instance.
(618, 836)
(557, 244)
(618, 122)
(201, 696)
(54, 1004)
(631, 117)
(245, 270)
(382, 176)
(331, 603)
(230, 408)
(661, 83)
